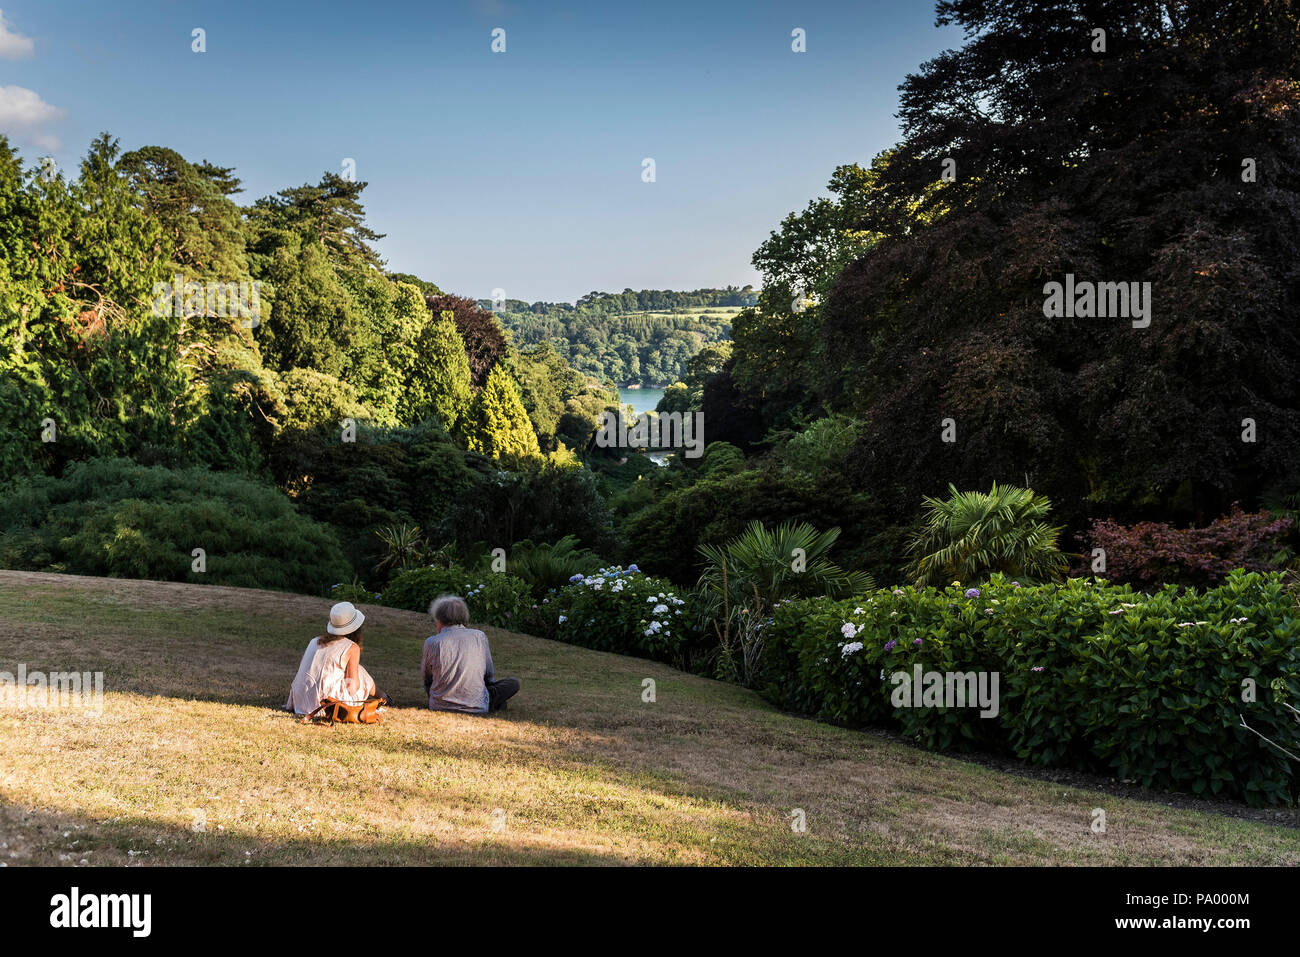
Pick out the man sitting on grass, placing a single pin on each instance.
(457, 663)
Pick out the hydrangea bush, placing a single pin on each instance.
(1091, 675)
(620, 610)
(494, 598)
(354, 592)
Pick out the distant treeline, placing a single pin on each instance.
(626, 337)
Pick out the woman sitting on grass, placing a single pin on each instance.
(331, 665)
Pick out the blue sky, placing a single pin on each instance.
(518, 170)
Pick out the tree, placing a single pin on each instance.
(192, 204)
(776, 341)
(497, 423)
(485, 343)
(439, 383)
(328, 214)
(970, 535)
(1126, 165)
(84, 349)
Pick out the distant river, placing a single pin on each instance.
(641, 400)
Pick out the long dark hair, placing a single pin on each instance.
(325, 639)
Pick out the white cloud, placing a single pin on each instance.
(24, 115)
(13, 46)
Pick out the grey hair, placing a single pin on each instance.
(449, 610)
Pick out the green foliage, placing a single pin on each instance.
(721, 459)
(386, 477)
(497, 424)
(546, 566)
(439, 379)
(404, 546)
(748, 576)
(79, 260)
(354, 592)
(563, 404)
(315, 322)
(497, 598)
(1091, 676)
(821, 447)
(113, 517)
(971, 535)
(776, 342)
(790, 561)
(493, 598)
(536, 500)
(314, 400)
(676, 398)
(415, 588)
(664, 537)
(620, 610)
(647, 337)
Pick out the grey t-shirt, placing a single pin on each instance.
(457, 662)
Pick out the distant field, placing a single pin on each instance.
(648, 346)
(580, 770)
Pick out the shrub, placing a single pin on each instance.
(1091, 675)
(971, 535)
(621, 610)
(721, 458)
(539, 501)
(494, 598)
(415, 588)
(114, 517)
(1151, 554)
(789, 561)
(354, 592)
(665, 537)
(546, 567)
(821, 447)
(749, 574)
(387, 477)
(498, 599)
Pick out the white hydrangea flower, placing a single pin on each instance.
(851, 648)
(660, 608)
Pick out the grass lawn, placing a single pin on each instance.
(579, 769)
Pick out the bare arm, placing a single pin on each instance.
(351, 666)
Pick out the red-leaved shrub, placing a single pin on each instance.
(1151, 554)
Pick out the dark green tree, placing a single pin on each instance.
(1160, 158)
(439, 383)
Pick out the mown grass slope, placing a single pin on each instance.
(580, 769)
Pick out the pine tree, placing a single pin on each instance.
(498, 424)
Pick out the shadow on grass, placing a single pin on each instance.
(46, 838)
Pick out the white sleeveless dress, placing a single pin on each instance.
(322, 675)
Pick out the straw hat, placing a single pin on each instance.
(345, 618)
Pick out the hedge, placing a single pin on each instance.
(1091, 675)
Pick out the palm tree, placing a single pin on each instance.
(748, 576)
(404, 546)
(788, 562)
(970, 535)
(547, 566)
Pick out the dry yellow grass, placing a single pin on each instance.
(579, 770)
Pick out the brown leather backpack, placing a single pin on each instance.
(341, 712)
